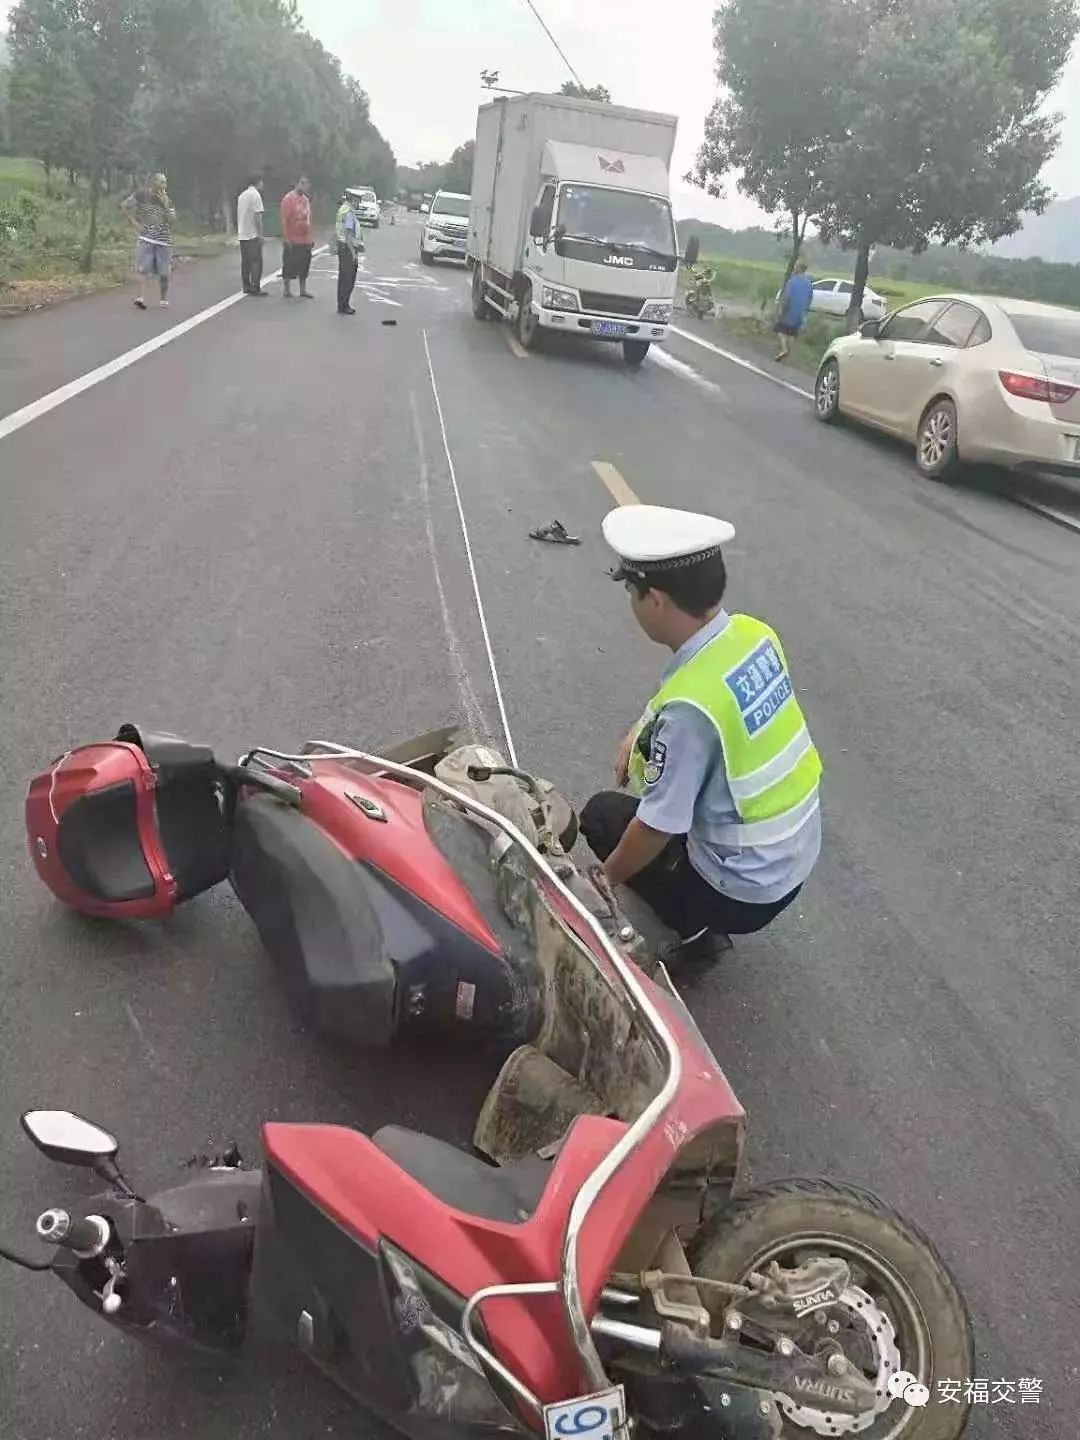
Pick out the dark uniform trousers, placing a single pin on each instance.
(347, 266)
(673, 890)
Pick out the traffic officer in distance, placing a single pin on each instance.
(723, 824)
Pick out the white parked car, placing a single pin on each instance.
(964, 377)
(446, 229)
(832, 297)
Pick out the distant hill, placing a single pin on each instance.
(1054, 235)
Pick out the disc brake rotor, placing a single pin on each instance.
(880, 1333)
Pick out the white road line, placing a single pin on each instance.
(679, 367)
(745, 364)
(469, 556)
(470, 701)
(34, 411)
(1051, 512)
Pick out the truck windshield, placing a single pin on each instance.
(616, 217)
(451, 205)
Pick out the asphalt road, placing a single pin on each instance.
(251, 535)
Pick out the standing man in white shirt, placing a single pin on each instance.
(249, 231)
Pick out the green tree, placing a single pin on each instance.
(206, 90)
(5, 103)
(453, 174)
(780, 71)
(943, 141)
(457, 173)
(95, 50)
(586, 92)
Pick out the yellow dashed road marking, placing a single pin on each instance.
(614, 483)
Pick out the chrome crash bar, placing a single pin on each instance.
(589, 1192)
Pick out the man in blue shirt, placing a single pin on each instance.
(794, 307)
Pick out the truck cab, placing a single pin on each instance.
(602, 255)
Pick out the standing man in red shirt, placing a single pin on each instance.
(296, 238)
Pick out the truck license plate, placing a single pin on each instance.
(609, 328)
(589, 1417)
(1076, 447)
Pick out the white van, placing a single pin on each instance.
(366, 204)
(446, 229)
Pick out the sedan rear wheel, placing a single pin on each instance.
(936, 451)
(827, 393)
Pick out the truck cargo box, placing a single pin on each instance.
(511, 135)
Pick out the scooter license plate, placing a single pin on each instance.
(590, 1417)
(609, 328)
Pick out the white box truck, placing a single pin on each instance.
(570, 227)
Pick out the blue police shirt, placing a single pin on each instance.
(690, 794)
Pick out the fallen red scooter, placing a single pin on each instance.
(375, 902)
(590, 1267)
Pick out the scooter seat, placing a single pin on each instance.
(494, 1192)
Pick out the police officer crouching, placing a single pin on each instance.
(723, 824)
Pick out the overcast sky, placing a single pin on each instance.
(420, 61)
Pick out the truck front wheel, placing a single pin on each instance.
(634, 351)
(528, 324)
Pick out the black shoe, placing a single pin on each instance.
(257, 294)
(704, 948)
(346, 310)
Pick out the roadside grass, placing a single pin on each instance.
(43, 222)
(807, 347)
(757, 281)
(748, 288)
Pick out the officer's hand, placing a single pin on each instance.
(622, 764)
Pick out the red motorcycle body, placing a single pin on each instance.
(374, 930)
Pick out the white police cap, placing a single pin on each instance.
(651, 539)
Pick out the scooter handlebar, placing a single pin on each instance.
(86, 1235)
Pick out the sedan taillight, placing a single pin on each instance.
(1036, 387)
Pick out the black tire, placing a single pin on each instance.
(827, 393)
(425, 258)
(634, 352)
(936, 452)
(529, 333)
(891, 1260)
(480, 308)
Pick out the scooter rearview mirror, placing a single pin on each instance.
(68, 1138)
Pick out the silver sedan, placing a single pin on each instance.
(964, 378)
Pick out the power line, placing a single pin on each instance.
(554, 42)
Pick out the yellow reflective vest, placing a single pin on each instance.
(740, 681)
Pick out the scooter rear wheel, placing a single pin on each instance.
(902, 1299)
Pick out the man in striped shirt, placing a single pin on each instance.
(151, 213)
